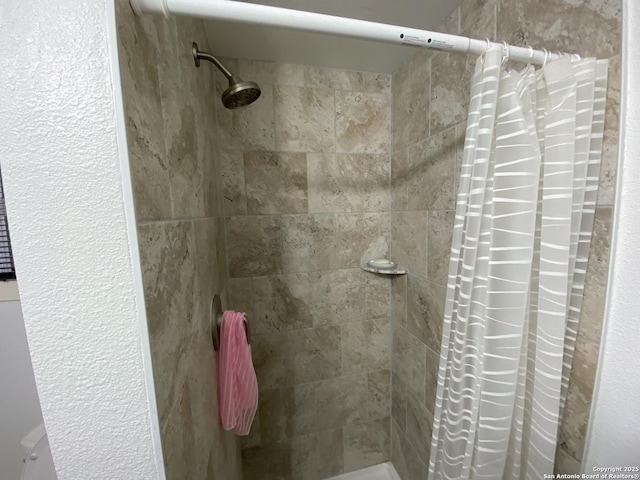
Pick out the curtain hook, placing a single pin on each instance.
(530, 53)
(485, 51)
(546, 56)
(505, 52)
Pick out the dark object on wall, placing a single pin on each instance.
(7, 269)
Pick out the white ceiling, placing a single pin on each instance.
(238, 40)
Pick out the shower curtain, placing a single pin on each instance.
(524, 216)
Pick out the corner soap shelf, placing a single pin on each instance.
(393, 269)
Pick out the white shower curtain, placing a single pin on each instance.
(524, 216)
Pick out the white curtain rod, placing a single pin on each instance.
(241, 12)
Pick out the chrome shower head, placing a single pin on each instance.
(240, 93)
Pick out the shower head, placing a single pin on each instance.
(240, 93)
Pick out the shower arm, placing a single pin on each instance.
(198, 55)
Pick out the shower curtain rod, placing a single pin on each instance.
(255, 14)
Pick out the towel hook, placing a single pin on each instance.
(215, 321)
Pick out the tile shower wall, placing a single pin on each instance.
(306, 189)
(429, 103)
(170, 112)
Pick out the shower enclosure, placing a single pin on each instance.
(275, 207)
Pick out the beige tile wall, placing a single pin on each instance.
(429, 103)
(170, 107)
(306, 188)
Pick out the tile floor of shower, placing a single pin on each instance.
(383, 471)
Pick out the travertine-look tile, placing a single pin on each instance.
(409, 241)
(339, 296)
(365, 345)
(348, 183)
(451, 24)
(362, 122)
(377, 197)
(573, 427)
(294, 410)
(431, 378)
(309, 243)
(335, 79)
(473, 12)
(213, 181)
(606, 188)
(411, 103)
(366, 444)
(210, 266)
(269, 461)
(449, 100)
(399, 179)
(305, 119)
(143, 111)
(408, 360)
(377, 302)
(297, 356)
(233, 189)
(436, 297)
(440, 227)
(225, 456)
(419, 425)
(483, 26)
(208, 434)
(341, 401)
(272, 73)
(241, 297)
(565, 464)
(590, 324)
(167, 257)
(590, 28)
(432, 166)
(250, 128)
(422, 313)
(282, 302)
(309, 458)
(399, 107)
(254, 245)
(379, 399)
(583, 369)
(362, 237)
(172, 104)
(303, 300)
(404, 458)
(398, 401)
(376, 83)
(277, 412)
(178, 442)
(574, 422)
(276, 182)
(399, 299)
(186, 162)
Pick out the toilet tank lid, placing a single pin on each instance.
(32, 438)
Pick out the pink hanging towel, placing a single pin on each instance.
(238, 387)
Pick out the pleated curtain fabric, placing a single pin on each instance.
(524, 216)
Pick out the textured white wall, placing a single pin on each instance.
(63, 153)
(614, 429)
(19, 406)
